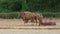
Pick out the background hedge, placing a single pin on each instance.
(14, 15)
(9, 8)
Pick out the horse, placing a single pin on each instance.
(26, 16)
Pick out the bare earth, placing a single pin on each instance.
(16, 26)
(18, 31)
(19, 24)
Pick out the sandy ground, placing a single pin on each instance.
(18, 23)
(17, 27)
(19, 31)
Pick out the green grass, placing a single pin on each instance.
(8, 15)
(13, 15)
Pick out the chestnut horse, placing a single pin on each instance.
(26, 16)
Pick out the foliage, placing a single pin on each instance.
(41, 6)
(8, 15)
(31, 5)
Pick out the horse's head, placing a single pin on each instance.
(20, 14)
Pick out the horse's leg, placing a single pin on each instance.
(25, 21)
(36, 21)
(40, 21)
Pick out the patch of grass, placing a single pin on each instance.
(13, 15)
(8, 15)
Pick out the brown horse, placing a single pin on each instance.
(26, 16)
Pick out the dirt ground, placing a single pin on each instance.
(18, 31)
(18, 23)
